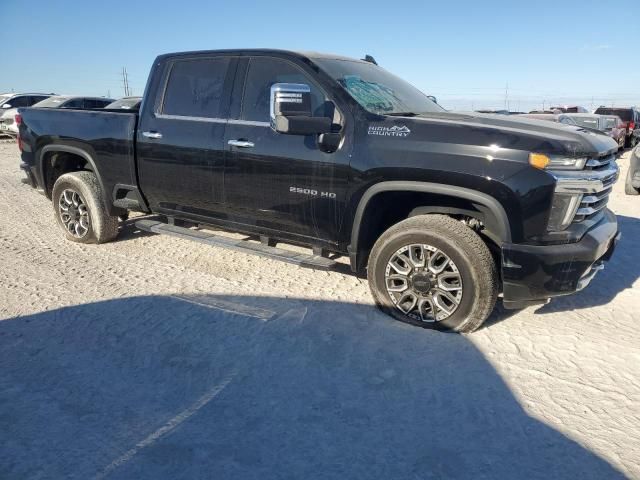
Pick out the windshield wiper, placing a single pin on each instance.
(402, 114)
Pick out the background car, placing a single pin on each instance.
(552, 117)
(10, 102)
(630, 116)
(126, 103)
(615, 128)
(71, 101)
(632, 183)
(611, 125)
(571, 109)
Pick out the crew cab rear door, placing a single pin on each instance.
(180, 136)
(283, 183)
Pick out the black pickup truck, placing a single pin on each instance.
(442, 211)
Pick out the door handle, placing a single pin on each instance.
(152, 134)
(241, 143)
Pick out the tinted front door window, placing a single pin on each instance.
(262, 74)
(77, 103)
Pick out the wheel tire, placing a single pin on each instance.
(629, 189)
(101, 227)
(463, 246)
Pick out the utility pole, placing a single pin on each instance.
(506, 96)
(125, 82)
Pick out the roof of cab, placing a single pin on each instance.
(263, 51)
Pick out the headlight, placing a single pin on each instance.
(556, 162)
(563, 210)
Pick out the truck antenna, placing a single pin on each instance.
(370, 59)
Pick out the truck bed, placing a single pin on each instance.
(107, 136)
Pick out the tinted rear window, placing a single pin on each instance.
(195, 87)
(624, 113)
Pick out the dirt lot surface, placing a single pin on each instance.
(154, 357)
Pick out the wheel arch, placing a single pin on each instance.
(476, 204)
(44, 154)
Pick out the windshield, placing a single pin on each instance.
(51, 102)
(4, 98)
(377, 90)
(587, 122)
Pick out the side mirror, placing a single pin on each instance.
(432, 98)
(6, 106)
(290, 111)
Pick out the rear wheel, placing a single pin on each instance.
(80, 210)
(435, 272)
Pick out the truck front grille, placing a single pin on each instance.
(590, 188)
(594, 202)
(601, 163)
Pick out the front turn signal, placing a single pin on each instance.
(539, 160)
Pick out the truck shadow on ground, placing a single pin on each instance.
(254, 388)
(129, 231)
(619, 274)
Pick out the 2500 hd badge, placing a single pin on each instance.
(311, 192)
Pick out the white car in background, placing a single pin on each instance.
(9, 104)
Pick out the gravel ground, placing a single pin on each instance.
(154, 357)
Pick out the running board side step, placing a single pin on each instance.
(261, 249)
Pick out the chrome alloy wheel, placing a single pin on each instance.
(73, 213)
(423, 283)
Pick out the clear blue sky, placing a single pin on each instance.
(464, 52)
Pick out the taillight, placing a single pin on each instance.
(632, 125)
(18, 123)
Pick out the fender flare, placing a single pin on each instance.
(502, 226)
(66, 149)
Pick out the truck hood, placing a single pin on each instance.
(511, 132)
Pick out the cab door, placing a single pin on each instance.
(283, 183)
(180, 137)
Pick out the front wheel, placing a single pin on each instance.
(79, 209)
(435, 272)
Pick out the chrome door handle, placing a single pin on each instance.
(152, 134)
(241, 143)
